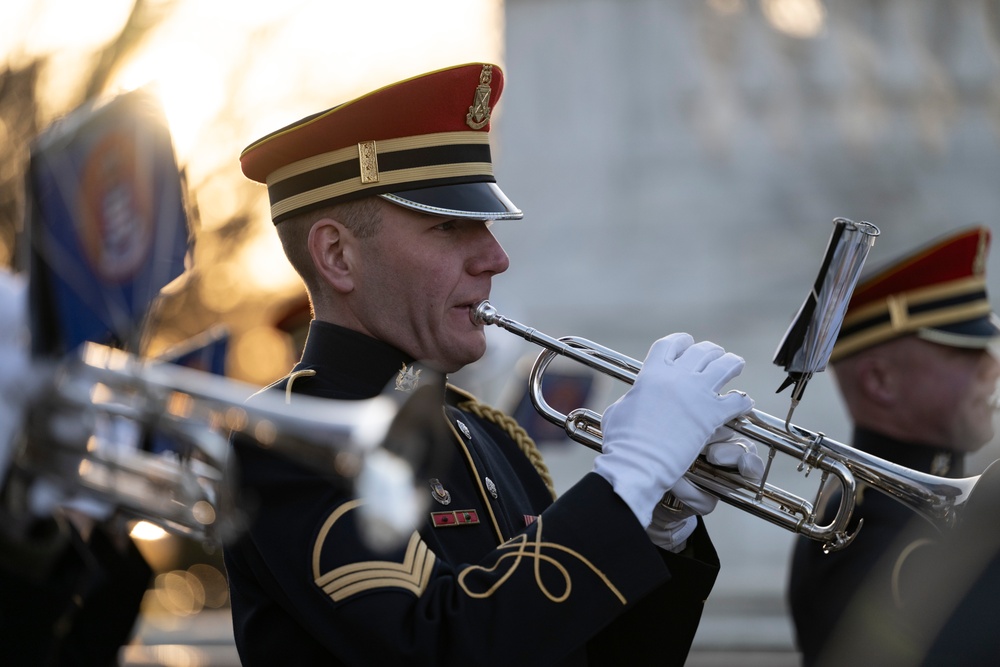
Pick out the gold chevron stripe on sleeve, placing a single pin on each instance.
(413, 574)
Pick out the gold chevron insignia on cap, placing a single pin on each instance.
(412, 574)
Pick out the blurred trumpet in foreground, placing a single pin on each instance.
(150, 440)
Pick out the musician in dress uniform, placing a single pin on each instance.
(917, 377)
(383, 206)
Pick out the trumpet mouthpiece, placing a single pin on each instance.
(483, 313)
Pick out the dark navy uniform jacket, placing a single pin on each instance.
(506, 577)
(858, 601)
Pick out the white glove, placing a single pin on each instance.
(674, 517)
(729, 450)
(653, 433)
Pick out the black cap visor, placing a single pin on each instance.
(978, 333)
(474, 201)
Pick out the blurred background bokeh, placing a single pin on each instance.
(679, 163)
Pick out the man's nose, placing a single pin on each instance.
(491, 257)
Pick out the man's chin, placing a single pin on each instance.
(459, 357)
(467, 355)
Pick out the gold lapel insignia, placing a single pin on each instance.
(479, 112)
(407, 379)
(438, 492)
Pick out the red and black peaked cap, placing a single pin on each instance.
(937, 292)
(421, 143)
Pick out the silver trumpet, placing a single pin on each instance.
(938, 499)
(150, 439)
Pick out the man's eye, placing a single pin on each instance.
(446, 226)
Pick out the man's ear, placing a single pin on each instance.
(879, 380)
(332, 248)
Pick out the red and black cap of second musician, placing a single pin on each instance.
(937, 292)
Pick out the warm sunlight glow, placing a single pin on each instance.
(31, 27)
(262, 355)
(270, 267)
(147, 532)
(798, 18)
(279, 61)
(188, 101)
(229, 71)
(219, 287)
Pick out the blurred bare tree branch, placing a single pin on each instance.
(18, 126)
(20, 118)
(182, 314)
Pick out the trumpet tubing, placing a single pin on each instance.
(938, 499)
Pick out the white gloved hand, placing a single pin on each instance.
(653, 433)
(729, 450)
(674, 517)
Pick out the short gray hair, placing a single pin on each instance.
(363, 217)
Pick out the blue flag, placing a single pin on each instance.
(107, 226)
